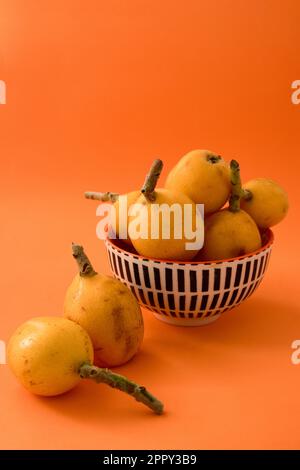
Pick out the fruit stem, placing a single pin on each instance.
(247, 194)
(104, 197)
(151, 180)
(100, 375)
(236, 187)
(84, 264)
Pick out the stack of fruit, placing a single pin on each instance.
(203, 177)
(103, 323)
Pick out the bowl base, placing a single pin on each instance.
(187, 321)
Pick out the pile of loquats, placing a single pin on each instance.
(102, 324)
(236, 215)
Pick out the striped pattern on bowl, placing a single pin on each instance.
(187, 293)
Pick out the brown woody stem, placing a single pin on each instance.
(236, 187)
(84, 264)
(247, 194)
(151, 180)
(99, 375)
(104, 197)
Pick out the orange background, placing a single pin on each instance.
(95, 91)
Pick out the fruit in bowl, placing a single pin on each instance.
(204, 177)
(146, 209)
(265, 201)
(230, 232)
(164, 244)
(185, 287)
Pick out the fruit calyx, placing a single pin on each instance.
(151, 180)
(212, 158)
(103, 197)
(84, 264)
(141, 394)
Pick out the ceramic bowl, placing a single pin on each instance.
(189, 293)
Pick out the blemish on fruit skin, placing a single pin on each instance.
(54, 353)
(87, 347)
(33, 384)
(128, 344)
(118, 323)
(221, 172)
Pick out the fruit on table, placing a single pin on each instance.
(107, 310)
(121, 224)
(45, 354)
(230, 232)
(265, 200)
(169, 247)
(204, 177)
(50, 355)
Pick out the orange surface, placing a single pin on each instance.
(95, 90)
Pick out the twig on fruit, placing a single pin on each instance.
(151, 180)
(247, 194)
(104, 197)
(84, 264)
(123, 384)
(236, 187)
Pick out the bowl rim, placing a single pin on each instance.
(268, 232)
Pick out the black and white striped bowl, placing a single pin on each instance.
(189, 293)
